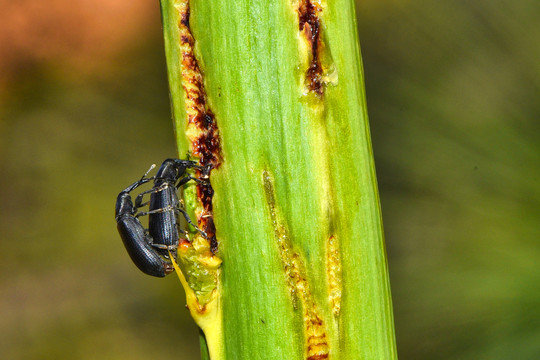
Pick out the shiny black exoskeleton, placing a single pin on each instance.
(164, 205)
(135, 237)
(149, 249)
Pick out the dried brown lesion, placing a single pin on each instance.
(201, 129)
(309, 24)
(315, 331)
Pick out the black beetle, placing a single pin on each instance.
(149, 249)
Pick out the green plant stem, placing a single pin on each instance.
(295, 203)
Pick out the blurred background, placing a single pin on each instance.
(453, 91)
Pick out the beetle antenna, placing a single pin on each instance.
(143, 180)
(151, 168)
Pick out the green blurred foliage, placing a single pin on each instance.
(452, 88)
(68, 289)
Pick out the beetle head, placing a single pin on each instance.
(124, 205)
(169, 171)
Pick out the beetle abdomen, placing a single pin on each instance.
(163, 224)
(139, 250)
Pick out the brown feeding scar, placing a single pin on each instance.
(309, 24)
(316, 346)
(201, 130)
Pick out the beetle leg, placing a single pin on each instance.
(136, 184)
(143, 204)
(165, 247)
(186, 164)
(156, 211)
(143, 180)
(139, 198)
(188, 219)
(187, 178)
